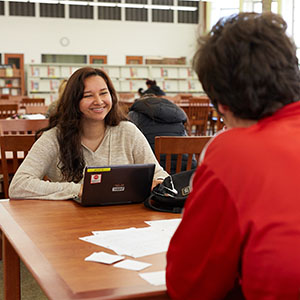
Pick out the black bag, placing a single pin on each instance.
(170, 195)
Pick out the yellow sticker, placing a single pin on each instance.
(99, 170)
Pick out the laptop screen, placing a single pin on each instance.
(117, 184)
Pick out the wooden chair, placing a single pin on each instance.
(215, 121)
(32, 102)
(4, 96)
(11, 158)
(8, 110)
(11, 131)
(126, 97)
(14, 148)
(179, 145)
(21, 126)
(197, 112)
(125, 106)
(36, 109)
(183, 97)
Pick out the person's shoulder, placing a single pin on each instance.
(228, 137)
(51, 132)
(125, 126)
(126, 130)
(49, 135)
(227, 144)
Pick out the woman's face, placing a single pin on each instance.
(96, 102)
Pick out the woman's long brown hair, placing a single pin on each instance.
(68, 120)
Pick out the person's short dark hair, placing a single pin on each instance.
(140, 91)
(150, 82)
(248, 63)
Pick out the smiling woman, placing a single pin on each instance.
(88, 128)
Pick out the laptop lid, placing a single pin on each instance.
(118, 184)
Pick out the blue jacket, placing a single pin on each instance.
(160, 117)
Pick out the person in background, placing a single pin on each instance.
(52, 107)
(241, 222)
(153, 88)
(140, 92)
(88, 128)
(156, 116)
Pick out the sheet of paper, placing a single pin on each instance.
(169, 224)
(130, 264)
(136, 242)
(4, 200)
(104, 258)
(154, 278)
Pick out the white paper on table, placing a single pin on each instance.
(104, 258)
(130, 264)
(4, 200)
(154, 278)
(136, 242)
(169, 225)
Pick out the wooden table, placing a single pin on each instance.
(44, 234)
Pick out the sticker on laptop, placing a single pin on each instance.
(98, 170)
(96, 178)
(118, 188)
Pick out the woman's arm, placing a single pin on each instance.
(41, 161)
(143, 154)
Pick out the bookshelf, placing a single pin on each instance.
(43, 79)
(12, 81)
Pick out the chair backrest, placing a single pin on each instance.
(32, 101)
(22, 126)
(190, 145)
(36, 109)
(14, 148)
(126, 97)
(8, 110)
(197, 112)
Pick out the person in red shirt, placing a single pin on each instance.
(241, 223)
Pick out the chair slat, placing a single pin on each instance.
(168, 145)
(10, 146)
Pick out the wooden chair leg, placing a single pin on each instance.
(1, 247)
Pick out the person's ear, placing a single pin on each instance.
(222, 108)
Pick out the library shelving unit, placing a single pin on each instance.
(43, 79)
(12, 81)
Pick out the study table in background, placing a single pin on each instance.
(45, 236)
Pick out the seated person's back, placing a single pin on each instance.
(241, 222)
(156, 116)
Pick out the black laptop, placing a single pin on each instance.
(118, 184)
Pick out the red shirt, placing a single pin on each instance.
(243, 215)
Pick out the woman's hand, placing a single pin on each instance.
(80, 192)
(156, 182)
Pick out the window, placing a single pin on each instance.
(257, 6)
(22, 9)
(223, 9)
(191, 17)
(109, 13)
(161, 15)
(134, 60)
(52, 10)
(64, 58)
(98, 59)
(296, 26)
(81, 11)
(136, 14)
(2, 8)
